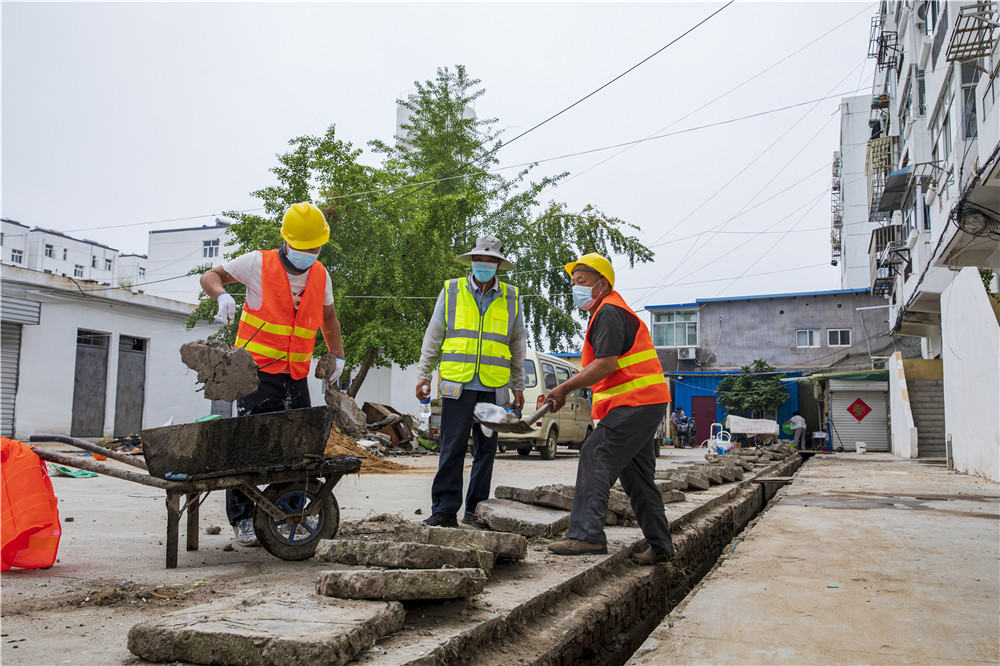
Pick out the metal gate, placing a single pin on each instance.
(90, 384)
(130, 390)
(850, 400)
(10, 355)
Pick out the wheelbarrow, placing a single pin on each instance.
(282, 451)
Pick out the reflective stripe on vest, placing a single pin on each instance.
(277, 335)
(477, 343)
(638, 380)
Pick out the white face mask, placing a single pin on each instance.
(300, 259)
(583, 296)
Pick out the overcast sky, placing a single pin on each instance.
(127, 117)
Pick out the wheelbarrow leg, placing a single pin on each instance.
(193, 506)
(173, 522)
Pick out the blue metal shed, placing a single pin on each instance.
(686, 385)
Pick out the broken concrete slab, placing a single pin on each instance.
(556, 496)
(736, 470)
(696, 481)
(503, 545)
(346, 413)
(709, 473)
(314, 630)
(525, 519)
(402, 584)
(672, 475)
(619, 503)
(672, 496)
(727, 473)
(227, 373)
(405, 555)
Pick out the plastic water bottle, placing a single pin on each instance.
(425, 414)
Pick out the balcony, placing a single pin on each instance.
(883, 45)
(879, 163)
(975, 33)
(887, 258)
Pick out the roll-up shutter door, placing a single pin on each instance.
(852, 399)
(10, 354)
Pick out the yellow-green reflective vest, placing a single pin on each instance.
(475, 343)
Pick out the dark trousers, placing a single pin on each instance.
(621, 446)
(456, 421)
(276, 393)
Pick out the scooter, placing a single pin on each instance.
(685, 432)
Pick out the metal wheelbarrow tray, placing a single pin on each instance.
(280, 450)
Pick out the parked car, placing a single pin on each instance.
(571, 426)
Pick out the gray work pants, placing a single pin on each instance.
(621, 447)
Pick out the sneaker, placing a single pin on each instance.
(441, 520)
(650, 556)
(244, 533)
(471, 519)
(578, 547)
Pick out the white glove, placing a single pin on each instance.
(338, 369)
(227, 308)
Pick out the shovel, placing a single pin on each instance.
(512, 424)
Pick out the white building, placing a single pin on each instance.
(131, 271)
(173, 253)
(933, 185)
(851, 226)
(56, 253)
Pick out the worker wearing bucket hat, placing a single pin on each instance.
(288, 296)
(477, 333)
(630, 401)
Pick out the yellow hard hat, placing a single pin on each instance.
(304, 227)
(594, 262)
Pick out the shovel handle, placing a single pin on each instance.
(541, 412)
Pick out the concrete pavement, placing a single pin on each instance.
(861, 559)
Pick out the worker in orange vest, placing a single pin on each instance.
(630, 400)
(288, 296)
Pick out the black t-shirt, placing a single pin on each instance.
(612, 332)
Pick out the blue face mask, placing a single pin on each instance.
(301, 260)
(583, 296)
(483, 270)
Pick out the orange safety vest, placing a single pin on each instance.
(639, 378)
(30, 531)
(286, 336)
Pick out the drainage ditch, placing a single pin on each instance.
(602, 615)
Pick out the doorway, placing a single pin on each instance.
(703, 410)
(90, 384)
(130, 392)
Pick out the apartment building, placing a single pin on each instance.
(55, 253)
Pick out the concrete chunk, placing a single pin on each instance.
(620, 503)
(556, 496)
(346, 413)
(314, 630)
(406, 555)
(672, 496)
(402, 584)
(227, 373)
(664, 485)
(503, 545)
(507, 516)
(736, 470)
(727, 473)
(672, 475)
(693, 480)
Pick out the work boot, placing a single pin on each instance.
(244, 533)
(578, 547)
(441, 520)
(651, 556)
(471, 519)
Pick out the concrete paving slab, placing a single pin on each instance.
(861, 559)
(525, 519)
(314, 630)
(503, 545)
(402, 584)
(405, 555)
(559, 496)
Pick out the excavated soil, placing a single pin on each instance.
(339, 444)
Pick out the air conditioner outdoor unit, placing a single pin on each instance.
(687, 353)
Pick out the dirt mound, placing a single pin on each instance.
(339, 444)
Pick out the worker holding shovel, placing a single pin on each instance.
(630, 400)
(289, 295)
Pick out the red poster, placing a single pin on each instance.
(859, 409)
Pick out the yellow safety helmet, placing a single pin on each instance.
(303, 227)
(594, 262)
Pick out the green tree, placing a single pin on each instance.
(757, 389)
(396, 228)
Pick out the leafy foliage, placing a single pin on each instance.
(396, 228)
(756, 389)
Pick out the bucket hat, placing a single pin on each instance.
(487, 246)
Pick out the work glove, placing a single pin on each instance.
(338, 369)
(329, 368)
(227, 308)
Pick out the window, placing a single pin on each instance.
(549, 376)
(926, 217)
(990, 94)
(932, 9)
(904, 106)
(93, 261)
(49, 251)
(107, 264)
(530, 377)
(675, 329)
(77, 270)
(142, 272)
(16, 256)
(921, 94)
(807, 338)
(838, 337)
(210, 248)
(970, 77)
(65, 254)
(562, 375)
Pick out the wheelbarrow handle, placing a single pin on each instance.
(107, 470)
(93, 448)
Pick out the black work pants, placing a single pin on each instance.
(456, 421)
(275, 393)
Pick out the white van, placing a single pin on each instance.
(571, 426)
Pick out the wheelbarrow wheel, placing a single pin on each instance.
(296, 537)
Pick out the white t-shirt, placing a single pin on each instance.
(247, 268)
(798, 422)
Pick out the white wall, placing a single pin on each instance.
(172, 253)
(971, 358)
(903, 431)
(856, 234)
(44, 400)
(394, 386)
